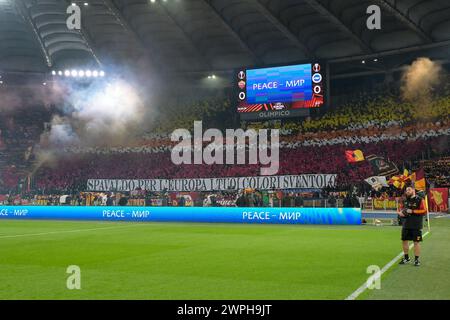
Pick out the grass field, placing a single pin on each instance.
(214, 261)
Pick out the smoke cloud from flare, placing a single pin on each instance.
(419, 79)
(109, 114)
(60, 134)
(102, 114)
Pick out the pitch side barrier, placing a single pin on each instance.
(187, 214)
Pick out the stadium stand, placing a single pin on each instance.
(315, 145)
(367, 110)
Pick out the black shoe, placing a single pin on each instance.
(416, 263)
(405, 261)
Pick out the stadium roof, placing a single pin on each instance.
(202, 35)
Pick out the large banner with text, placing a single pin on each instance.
(305, 181)
(187, 214)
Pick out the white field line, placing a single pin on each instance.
(364, 286)
(64, 231)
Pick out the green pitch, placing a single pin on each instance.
(212, 261)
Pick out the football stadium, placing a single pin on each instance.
(198, 150)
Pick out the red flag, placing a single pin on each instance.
(418, 178)
(354, 155)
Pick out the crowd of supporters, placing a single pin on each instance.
(397, 131)
(214, 111)
(19, 132)
(437, 172)
(380, 113)
(74, 170)
(229, 198)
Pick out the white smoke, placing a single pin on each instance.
(61, 133)
(112, 113)
(99, 114)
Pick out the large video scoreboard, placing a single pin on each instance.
(278, 92)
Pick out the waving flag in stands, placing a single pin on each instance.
(377, 182)
(382, 167)
(354, 155)
(418, 178)
(400, 181)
